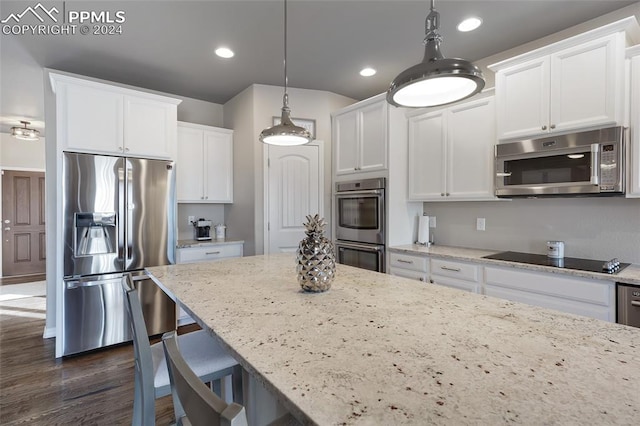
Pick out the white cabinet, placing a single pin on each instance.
(415, 267)
(204, 253)
(571, 85)
(451, 153)
(454, 274)
(360, 137)
(205, 164)
(99, 118)
(580, 296)
(633, 189)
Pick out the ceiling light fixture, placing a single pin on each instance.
(225, 52)
(367, 72)
(436, 80)
(25, 133)
(469, 24)
(286, 133)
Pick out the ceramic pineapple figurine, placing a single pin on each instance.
(316, 259)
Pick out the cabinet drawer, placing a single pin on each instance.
(407, 261)
(578, 289)
(408, 273)
(462, 271)
(203, 254)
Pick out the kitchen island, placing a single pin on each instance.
(380, 349)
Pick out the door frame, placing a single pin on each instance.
(265, 190)
(18, 169)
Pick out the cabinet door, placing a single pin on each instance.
(149, 128)
(427, 140)
(90, 119)
(585, 85)
(471, 138)
(218, 166)
(373, 137)
(634, 148)
(345, 136)
(190, 166)
(522, 98)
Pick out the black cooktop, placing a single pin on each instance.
(566, 263)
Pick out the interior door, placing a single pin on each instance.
(294, 192)
(23, 223)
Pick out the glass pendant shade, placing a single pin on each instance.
(436, 80)
(24, 133)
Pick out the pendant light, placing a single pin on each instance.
(25, 133)
(286, 133)
(436, 80)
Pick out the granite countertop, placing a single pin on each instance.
(213, 242)
(630, 275)
(380, 349)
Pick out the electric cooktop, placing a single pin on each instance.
(604, 266)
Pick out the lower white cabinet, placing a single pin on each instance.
(415, 267)
(460, 275)
(204, 254)
(580, 296)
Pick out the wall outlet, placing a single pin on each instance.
(432, 221)
(480, 224)
(191, 219)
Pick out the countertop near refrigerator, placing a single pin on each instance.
(196, 243)
(381, 349)
(630, 274)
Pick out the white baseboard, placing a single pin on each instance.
(49, 332)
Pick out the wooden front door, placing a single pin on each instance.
(23, 219)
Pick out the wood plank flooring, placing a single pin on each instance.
(19, 279)
(37, 389)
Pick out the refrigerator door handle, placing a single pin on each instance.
(121, 200)
(129, 206)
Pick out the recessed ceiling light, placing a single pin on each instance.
(224, 52)
(367, 72)
(469, 24)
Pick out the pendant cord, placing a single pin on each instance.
(285, 98)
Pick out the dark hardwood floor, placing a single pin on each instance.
(37, 389)
(19, 279)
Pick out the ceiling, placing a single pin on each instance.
(168, 45)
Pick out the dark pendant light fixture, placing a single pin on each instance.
(436, 80)
(286, 133)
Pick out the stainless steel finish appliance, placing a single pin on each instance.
(587, 163)
(202, 230)
(119, 216)
(612, 266)
(628, 306)
(360, 223)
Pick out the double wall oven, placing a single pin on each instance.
(360, 223)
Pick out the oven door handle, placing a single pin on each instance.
(363, 247)
(350, 194)
(595, 164)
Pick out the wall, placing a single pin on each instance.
(18, 154)
(248, 114)
(212, 212)
(593, 228)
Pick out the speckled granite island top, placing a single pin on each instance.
(383, 350)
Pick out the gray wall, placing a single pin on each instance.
(593, 228)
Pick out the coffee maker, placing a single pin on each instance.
(202, 230)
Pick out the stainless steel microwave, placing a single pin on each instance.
(587, 163)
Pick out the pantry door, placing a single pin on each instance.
(295, 190)
(23, 223)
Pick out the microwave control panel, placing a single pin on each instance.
(608, 167)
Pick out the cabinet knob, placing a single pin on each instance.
(119, 148)
(544, 127)
(553, 126)
(448, 194)
(126, 149)
(442, 194)
(421, 279)
(431, 281)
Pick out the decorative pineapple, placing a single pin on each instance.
(316, 257)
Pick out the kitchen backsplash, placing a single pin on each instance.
(594, 228)
(212, 212)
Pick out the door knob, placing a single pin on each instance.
(7, 221)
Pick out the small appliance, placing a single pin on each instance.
(202, 230)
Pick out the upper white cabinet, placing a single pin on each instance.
(100, 118)
(451, 153)
(633, 189)
(205, 164)
(573, 84)
(360, 137)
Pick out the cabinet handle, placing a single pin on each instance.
(405, 261)
(544, 127)
(553, 126)
(212, 252)
(446, 268)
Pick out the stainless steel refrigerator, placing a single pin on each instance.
(119, 217)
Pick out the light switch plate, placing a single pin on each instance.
(480, 224)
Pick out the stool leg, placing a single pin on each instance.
(236, 378)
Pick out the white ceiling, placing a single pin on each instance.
(168, 45)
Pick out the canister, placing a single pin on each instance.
(221, 231)
(555, 249)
